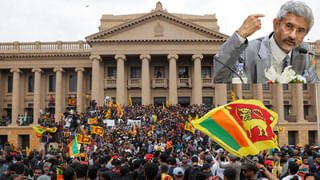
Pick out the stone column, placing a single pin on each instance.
(173, 91)
(237, 89)
(297, 102)
(197, 80)
(15, 95)
(58, 100)
(277, 99)
(121, 96)
(79, 89)
(220, 94)
(36, 95)
(145, 79)
(96, 59)
(257, 91)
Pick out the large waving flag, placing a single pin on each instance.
(242, 127)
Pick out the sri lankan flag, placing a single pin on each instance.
(108, 115)
(59, 174)
(39, 129)
(242, 127)
(28, 151)
(130, 100)
(83, 131)
(73, 148)
(92, 120)
(97, 130)
(119, 110)
(83, 139)
(188, 127)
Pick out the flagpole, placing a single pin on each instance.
(317, 106)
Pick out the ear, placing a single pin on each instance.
(275, 24)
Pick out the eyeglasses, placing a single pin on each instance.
(299, 31)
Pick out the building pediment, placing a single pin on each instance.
(157, 26)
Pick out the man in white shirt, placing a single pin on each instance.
(281, 48)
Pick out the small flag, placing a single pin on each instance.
(59, 174)
(39, 129)
(83, 131)
(133, 131)
(97, 130)
(28, 151)
(110, 102)
(154, 117)
(119, 110)
(168, 103)
(86, 95)
(93, 120)
(242, 127)
(108, 115)
(314, 62)
(130, 100)
(188, 127)
(234, 96)
(73, 148)
(51, 130)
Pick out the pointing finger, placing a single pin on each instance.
(258, 15)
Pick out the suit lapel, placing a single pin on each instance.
(264, 61)
(298, 65)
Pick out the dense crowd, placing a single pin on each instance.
(154, 145)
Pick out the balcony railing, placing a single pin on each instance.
(184, 82)
(290, 118)
(160, 82)
(311, 118)
(207, 82)
(110, 83)
(38, 46)
(134, 83)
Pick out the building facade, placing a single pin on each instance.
(153, 57)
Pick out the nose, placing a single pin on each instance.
(293, 34)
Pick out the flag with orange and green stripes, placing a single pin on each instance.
(242, 127)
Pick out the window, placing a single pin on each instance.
(312, 137)
(73, 83)
(206, 72)
(245, 86)
(285, 87)
(159, 72)
(265, 86)
(30, 83)
(136, 100)
(184, 101)
(208, 101)
(135, 72)
(306, 111)
(305, 87)
(10, 84)
(112, 72)
(292, 137)
(159, 100)
(52, 83)
(183, 72)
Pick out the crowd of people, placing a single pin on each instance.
(154, 145)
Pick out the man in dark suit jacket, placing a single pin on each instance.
(279, 49)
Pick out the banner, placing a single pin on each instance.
(109, 122)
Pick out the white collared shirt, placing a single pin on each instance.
(277, 55)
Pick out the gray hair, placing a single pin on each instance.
(298, 8)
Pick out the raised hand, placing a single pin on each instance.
(250, 25)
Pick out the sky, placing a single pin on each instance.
(73, 20)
